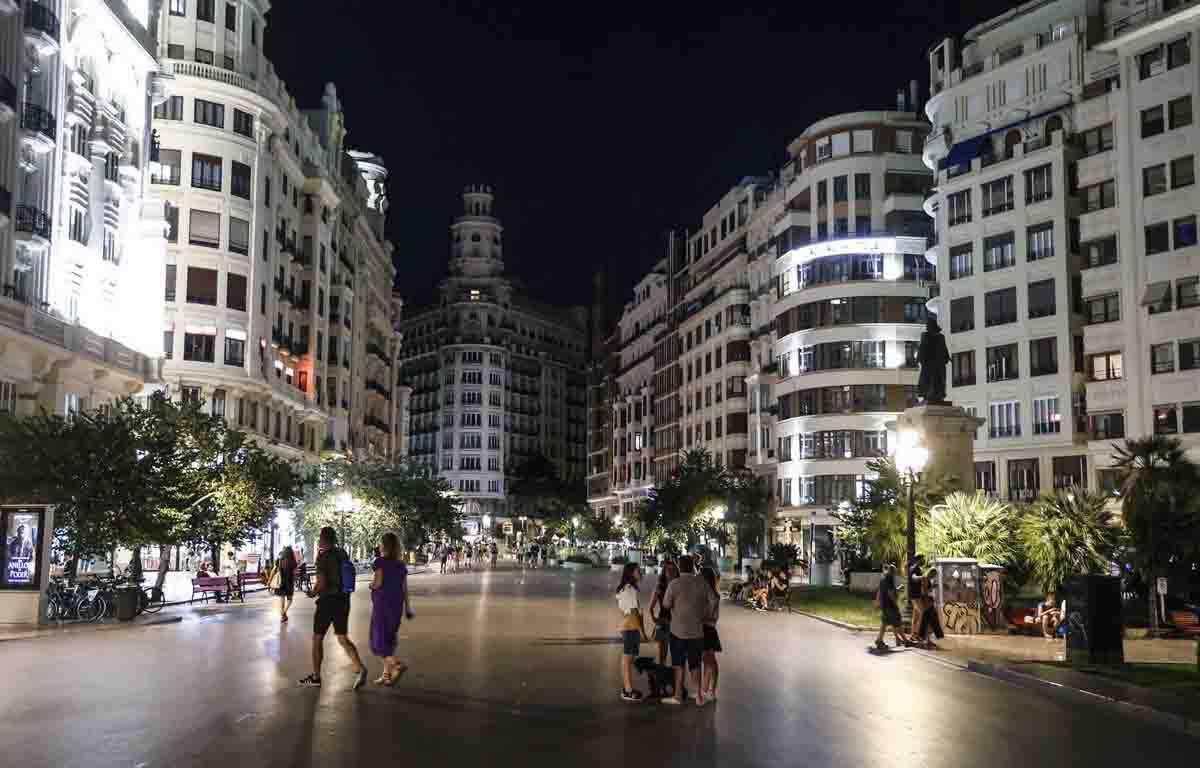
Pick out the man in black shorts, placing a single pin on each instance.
(687, 600)
(333, 607)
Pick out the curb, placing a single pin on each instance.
(1177, 723)
(834, 622)
(38, 634)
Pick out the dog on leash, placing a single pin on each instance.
(660, 679)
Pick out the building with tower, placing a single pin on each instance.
(496, 377)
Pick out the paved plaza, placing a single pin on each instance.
(520, 668)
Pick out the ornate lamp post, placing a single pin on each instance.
(911, 456)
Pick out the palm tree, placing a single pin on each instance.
(1067, 533)
(972, 525)
(1153, 470)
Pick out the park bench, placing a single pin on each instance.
(206, 585)
(1186, 622)
(249, 578)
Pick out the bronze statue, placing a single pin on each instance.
(933, 357)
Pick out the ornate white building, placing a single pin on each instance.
(496, 377)
(278, 283)
(82, 236)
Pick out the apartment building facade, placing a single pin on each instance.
(1006, 146)
(496, 377)
(278, 305)
(81, 243)
(850, 285)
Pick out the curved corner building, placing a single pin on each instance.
(851, 283)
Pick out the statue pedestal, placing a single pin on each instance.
(948, 433)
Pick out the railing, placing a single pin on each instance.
(1153, 11)
(34, 221)
(1012, 430)
(42, 19)
(38, 118)
(211, 72)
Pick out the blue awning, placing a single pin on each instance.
(964, 152)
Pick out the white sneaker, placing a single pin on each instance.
(671, 700)
(710, 696)
(700, 700)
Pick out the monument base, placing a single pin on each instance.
(948, 434)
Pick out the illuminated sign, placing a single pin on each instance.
(20, 561)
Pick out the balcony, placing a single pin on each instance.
(5, 206)
(39, 126)
(1011, 430)
(41, 28)
(33, 224)
(8, 99)
(211, 72)
(1154, 11)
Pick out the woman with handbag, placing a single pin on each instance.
(283, 581)
(633, 633)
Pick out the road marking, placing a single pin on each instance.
(247, 716)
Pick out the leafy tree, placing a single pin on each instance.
(601, 527)
(748, 511)
(1069, 532)
(1159, 503)
(539, 493)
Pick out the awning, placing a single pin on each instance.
(964, 152)
(1157, 294)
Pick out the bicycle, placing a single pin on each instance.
(70, 603)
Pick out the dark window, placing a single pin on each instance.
(1099, 196)
(206, 10)
(235, 292)
(962, 314)
(1187, 292)
(178, 7)
(235, 351)
(231, 17)
(1150, 63)
(1189, 355)
(1162, 358)
(1002, 363)
(1099, 253)
(239, 235)
(962, 262)
(1158, 297)
(1039, 242)
(1183, 172)
(262, 299)
(209, 113)
(1152, 122)
(168, 169)
(202, 286)
(1041, 298)
(229, 63)
(963, 368)
(1107, 426)
(1039, 185)
(204, 56)
(1166, 420)
(998, 252)
(1180, 111)
(171, 214)
(840, 184)
(171, 109)
(1179, 52)
(1098, 139)
(1154, 180)
(206, 172)
(169, 294)
(174, 51)
(958, 206)
(243, 123)
(1185, 231)
(862, 186)
(169, 344)
(1158, 238)
(198, 347)
(240, 180)
(1103, 309)
(253, 32)
(1000, 307)
(1043, 356)
(997, 196)
(1069, 471)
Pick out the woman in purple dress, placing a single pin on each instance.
(389, 601)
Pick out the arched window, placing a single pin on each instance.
(1011, 140)
(1055, 123)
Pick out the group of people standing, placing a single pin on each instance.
(468, 556)
(684, 609)
(925, 620)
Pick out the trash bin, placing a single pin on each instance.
(1095, 630)
(127, 603)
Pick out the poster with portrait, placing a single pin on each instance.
(22, 540)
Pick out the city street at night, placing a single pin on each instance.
(522, 667)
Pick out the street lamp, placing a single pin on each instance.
(574, 528)
(344, 503)
(911, 456)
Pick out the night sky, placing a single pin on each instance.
(599, 125)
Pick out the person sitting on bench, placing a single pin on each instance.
(1049, 616)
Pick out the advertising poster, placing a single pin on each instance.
(22, 530)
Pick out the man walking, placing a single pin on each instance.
(333, 606)
(687, 600)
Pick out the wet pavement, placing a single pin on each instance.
(521, 668)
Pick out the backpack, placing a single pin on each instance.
(346, 572)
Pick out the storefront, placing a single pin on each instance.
(23, 562)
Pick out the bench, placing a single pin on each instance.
(248, 578)
(1186, 622)
(205, 585)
